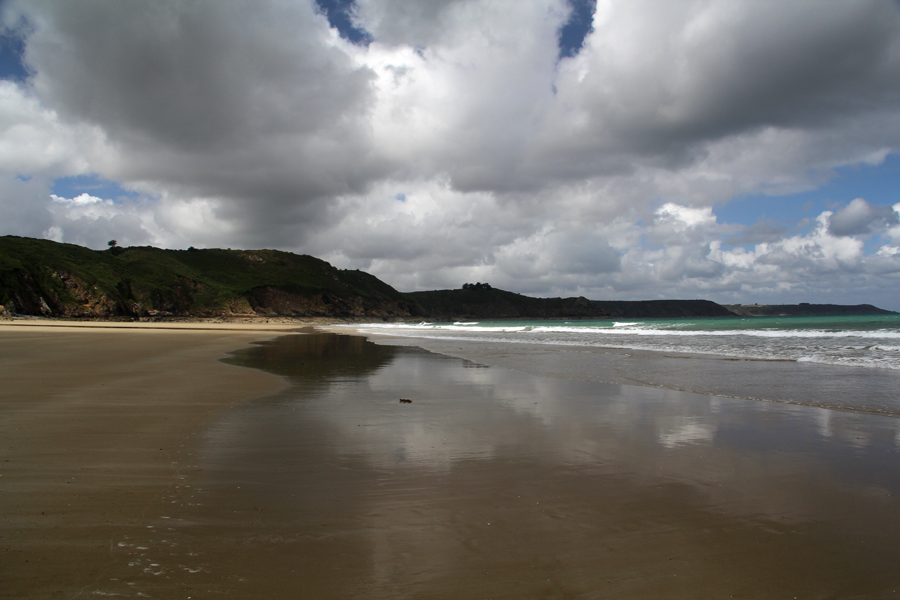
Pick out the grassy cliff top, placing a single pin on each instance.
(216, 275)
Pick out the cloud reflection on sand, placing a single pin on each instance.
(461, 411)
(492, 472)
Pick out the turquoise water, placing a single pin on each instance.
(866, 341)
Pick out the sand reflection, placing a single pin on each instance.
(497, 484)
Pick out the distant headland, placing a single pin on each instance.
(804, 309)
(51, 279)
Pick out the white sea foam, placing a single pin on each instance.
(626, 329)
(823, 341)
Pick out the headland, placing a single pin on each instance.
(50, 279)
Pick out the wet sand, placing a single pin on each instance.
(789, 382)
(492, 483)
(163, 473)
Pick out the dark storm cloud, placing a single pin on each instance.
(195, 76)
(689, 73)
(215, 99)
(236, 101)
(787, 65)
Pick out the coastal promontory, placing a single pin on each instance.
(50, 279)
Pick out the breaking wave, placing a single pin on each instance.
(869, 341)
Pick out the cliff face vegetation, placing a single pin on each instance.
(45, 278)
(480, 301)
(41, 277)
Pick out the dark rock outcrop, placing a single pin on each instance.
(662, 309)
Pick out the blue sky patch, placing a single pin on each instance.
(340, 16)
(92, 184)
(580, 23)
(12, 48)
(877, 185)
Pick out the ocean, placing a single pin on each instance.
(867, 341)
(846, 362)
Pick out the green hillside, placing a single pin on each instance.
(46, 278)
(663, 309)
(480, 301)
(49, 278)
(42, 277)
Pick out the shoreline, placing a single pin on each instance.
(821, 385)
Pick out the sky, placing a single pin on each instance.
(741, 151)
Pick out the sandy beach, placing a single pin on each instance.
(137, 464)
(97, 422)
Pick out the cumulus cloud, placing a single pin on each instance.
(598, 173)
(86, 218)
(859, 218)
(34, 140)
(24, 205)
(262, 109)
(412, 22)
(761, 232)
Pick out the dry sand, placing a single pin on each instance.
(97, 422)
